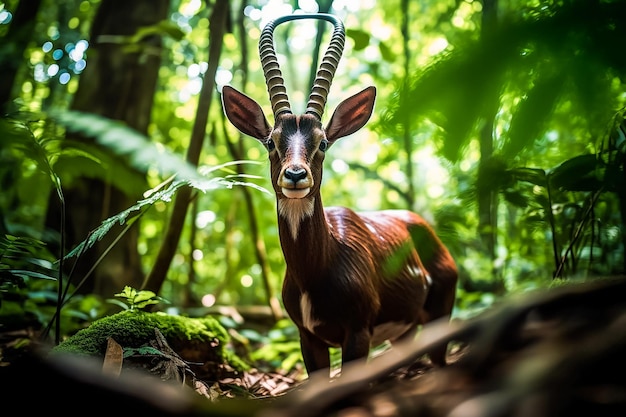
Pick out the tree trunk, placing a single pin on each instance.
(407, 137)
(488, 198)
(119, 85)
(217, 23)
(18, 36)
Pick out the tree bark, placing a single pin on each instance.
(18, 36)
(488, 198)
(407, 125)
(118, 85)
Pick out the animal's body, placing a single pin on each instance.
(353, 280)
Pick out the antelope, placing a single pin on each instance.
(352, 280)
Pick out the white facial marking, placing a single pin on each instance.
(297, 147)
(307, 313)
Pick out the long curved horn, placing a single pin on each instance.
(326, 72)
(271, 69)
(273, 75)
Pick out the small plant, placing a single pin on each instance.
(23, 259)
(136, 300)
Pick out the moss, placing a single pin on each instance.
(194, 339)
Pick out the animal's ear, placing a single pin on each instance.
(245, 113)
(351, 114)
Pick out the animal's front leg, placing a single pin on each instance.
(356, 345)
(314, 352)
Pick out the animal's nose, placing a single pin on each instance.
(295, 174)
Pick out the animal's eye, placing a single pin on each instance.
(323, 145)
(270, 144)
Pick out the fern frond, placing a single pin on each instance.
(15, 134)
(22, 257)
(165, 195)
(142, 154)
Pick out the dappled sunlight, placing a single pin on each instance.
(463, 16)
(204, 218)
(69, 59)
(510, 141)
(208, 300)
(5, 16)
(437, 46)
(246, 281)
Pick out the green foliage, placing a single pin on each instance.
(550, 57)
(137, 300)
(134, 329)
(19, 261)
(164, 28)
(142, 350)
(580, 173)
(360, 37)
(279, 348)
(551, 73)
(160, 195)
(141, 154)
(26, 159)
(23, 261)
(29, 289)
(575, 202)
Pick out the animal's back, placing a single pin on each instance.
(400, 278)
(421, 275)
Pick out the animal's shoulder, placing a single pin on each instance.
(372, 225)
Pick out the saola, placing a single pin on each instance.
(353, 280)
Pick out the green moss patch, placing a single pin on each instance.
(197, 340)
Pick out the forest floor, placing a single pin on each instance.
(558, 352)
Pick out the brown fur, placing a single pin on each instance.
(347, 274)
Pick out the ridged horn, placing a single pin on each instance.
(271, 69)
(274, 78)
(327, 69)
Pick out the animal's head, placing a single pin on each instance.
(297, 143)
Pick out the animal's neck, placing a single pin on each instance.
(304, 233)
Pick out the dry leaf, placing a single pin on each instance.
(113, 358)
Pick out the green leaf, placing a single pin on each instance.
(118, 303)
(580, 173)
(198, 182)
(143, 350)
(360, 37)
(125, 141)
(143, 304)
(516, 198)
(536, 176)
(164, 27)
(128, 293)
(15, 134)
(143, 295)
(386, 52)
(24, 274)
(531, 116)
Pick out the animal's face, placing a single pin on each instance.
(296, 148)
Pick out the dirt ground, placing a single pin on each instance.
(555, 353)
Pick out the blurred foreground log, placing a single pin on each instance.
(554, 353)
(557, 352)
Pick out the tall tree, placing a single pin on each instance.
(158, 273)
(15, 41)
(487, 196)
(118, 83)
